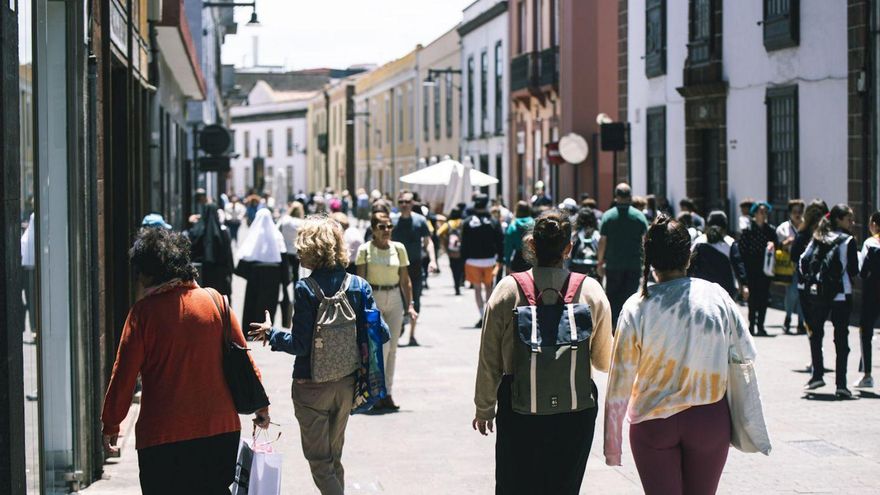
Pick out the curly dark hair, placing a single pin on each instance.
(667, 247)
(551, 233)
(586, 219)
(162, 255)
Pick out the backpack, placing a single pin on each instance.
(453, 248)
(335, 352)
(585, 253)
(551, 359)
(824, 276)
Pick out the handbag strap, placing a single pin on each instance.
(224, 315)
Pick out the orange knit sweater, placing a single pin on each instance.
(174, 340)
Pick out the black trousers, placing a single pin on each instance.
(759, 298)
(541, 454)
(261, 292)
(415, 276)
(839, 312)
(200, 466)
(456, 266)
(620, 285)
(870, 312)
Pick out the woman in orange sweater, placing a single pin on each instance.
(187, 434)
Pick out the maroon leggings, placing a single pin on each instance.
(685, 453)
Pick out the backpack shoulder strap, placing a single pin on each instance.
(527, 286)
(575, 280)
(346, 283)
(319, 294)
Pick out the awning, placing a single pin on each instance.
(176, 44)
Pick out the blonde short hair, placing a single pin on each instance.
(319, 243)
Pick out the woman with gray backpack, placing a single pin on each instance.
(544, 330)
(827, 268)
(330, 308)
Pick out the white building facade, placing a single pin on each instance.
(485, 91)
(273, 128)
(756, 107)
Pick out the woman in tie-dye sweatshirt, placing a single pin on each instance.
(669, 371)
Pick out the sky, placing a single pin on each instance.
(302, 34)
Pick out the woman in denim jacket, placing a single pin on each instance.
(322, 409)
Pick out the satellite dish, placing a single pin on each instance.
(573, 148)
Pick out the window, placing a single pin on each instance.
(269, 144)
(655, 38)
(484, 93)
(781, 24)
(701, 31)
(400, 111)
(782, 146)
(289, 179)
(554, 22)
(289, 141)
(247, 144)
(426, 98)
(389, 130)
(412, 115)
(499, 75)
(470, 96)
(248, 179)
(437, 116)
(449, 105)
(521, 27)
(657, 151)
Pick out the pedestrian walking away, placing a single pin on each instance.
(544, 404)
(715, 257)
(482, 247)
(263, 264)
(411, 230)
(325, 337)
(585, 241)
(827, 268)
(514, 260)
(669, 371)
(813, 214)
(869, 270)
(754, 243)
(235, 214)
(385, 265)
(450, 238)
(786, 234)
(188, 429)
(212, 251)
(619, 260)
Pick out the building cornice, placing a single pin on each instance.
(472, 25)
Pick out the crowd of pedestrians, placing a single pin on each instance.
(647, 296)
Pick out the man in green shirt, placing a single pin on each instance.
(620, 254)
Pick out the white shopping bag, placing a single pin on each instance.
(770, 261)
(258, 471)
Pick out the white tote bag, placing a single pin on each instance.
(769, 262)
(258, 471)
(748, 431)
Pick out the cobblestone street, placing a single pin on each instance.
(821, 445)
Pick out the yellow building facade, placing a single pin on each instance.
(384, 123)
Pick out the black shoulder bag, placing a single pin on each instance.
(247, 391)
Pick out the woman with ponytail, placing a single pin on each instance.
(827, 268)
(669, 371)
(716, 257)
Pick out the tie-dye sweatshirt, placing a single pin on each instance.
(670, 353)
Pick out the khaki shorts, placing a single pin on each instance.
(478, 274)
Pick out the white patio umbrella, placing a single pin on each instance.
(459, 180)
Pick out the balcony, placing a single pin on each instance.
(548, 67)
(522, 72)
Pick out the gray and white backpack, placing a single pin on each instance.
(334, 341)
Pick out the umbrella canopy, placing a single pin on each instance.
(441, 174)
(460, 187)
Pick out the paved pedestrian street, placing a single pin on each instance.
(820, 445)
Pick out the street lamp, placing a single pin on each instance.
(253, 22)
(430, 81)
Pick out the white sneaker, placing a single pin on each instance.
(866, 382)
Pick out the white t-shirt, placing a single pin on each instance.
(289, 226)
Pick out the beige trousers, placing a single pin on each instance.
(322, 411)
(390, 303)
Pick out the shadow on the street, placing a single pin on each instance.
(823, 397)
(868, 395)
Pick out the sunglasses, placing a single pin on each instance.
(384, 226)
(404, 201)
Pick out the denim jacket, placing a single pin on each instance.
(298, 341)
